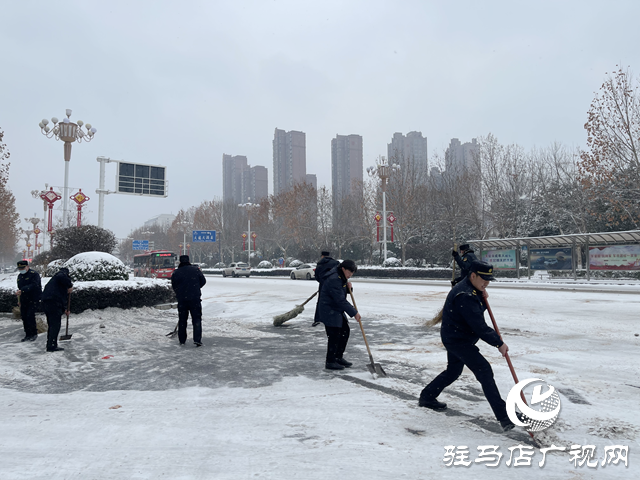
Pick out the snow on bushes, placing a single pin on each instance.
(392, 262)
(265, 264)
(53, 267)
(93, 266)
(295, 263)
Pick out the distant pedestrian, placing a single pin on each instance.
(323, 266)
(29, 292)
(54, 303)
(463, 324)
(187, 280)
(464, 259)
(332, 307)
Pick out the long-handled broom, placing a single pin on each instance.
(280, 319)
(67, 335)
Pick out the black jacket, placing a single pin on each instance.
(55, 291)
(30, 285)
(332, 303)
(465, 262)
(187, 280)
(322, 268)
(463, 317)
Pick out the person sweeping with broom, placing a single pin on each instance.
(463, 325)
(332, 306)
(54, 303)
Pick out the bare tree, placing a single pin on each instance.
(9, 217)
(610, 167)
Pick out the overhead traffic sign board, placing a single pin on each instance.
(203, 235)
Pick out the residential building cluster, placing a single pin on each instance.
(243, 183)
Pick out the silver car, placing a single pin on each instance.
(306, 270)
(237, 269)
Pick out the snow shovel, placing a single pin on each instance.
(373, 367)
(507, 358)
(67, 335)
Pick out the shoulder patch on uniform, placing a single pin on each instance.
(464, 260)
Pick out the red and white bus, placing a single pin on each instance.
(154, 264)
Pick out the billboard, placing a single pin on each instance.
(551, 258)
(615, 257)
(500, 259)
(140, 179)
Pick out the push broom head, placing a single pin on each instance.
(16, 312)
(280, 319)
(437, 318)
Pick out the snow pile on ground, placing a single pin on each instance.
(91, 266)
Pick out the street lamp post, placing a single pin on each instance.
(68, 132)
(383, 170)
(249, 207)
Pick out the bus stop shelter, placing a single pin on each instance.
(588, 242)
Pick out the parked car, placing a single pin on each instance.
(306, 270)
(237, 269)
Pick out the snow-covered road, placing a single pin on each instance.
(124, 401)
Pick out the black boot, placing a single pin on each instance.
(333, 366)
(432, 404)
(343, 362)
(506, 424)
(55, 349)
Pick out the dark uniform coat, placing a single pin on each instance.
(464, 263)
(333, 300)
(463, 320)
(55, 291)
(186, 281)
(322, 268)
(31, 286)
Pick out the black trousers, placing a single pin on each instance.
(54, 320)
(28, 315)
(457, 358)
(195, 308)
(337, 339)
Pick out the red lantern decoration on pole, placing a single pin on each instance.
(80, 198)
(254, 236)
(377, 218)
(50, 197)
(244, 240)
(391, 219)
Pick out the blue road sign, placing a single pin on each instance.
(140, 244)
(203, 235)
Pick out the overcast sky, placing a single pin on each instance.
(180, 83)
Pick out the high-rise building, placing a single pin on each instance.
(312, 180)
(289, 160)
(232, 169)
(459, 157)
(346, 167)
(241, 182)
(410, 148)
(255, 184)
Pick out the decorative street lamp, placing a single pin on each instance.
(50, 198)
(80, 198)
(68, 132)
(250, 207)
(36, 231)
(383, 170)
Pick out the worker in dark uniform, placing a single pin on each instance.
(29, 292)
(187, 280)
(332, 307)
(464, 259)
(463, 325)
(325, 264)
(54, 303)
